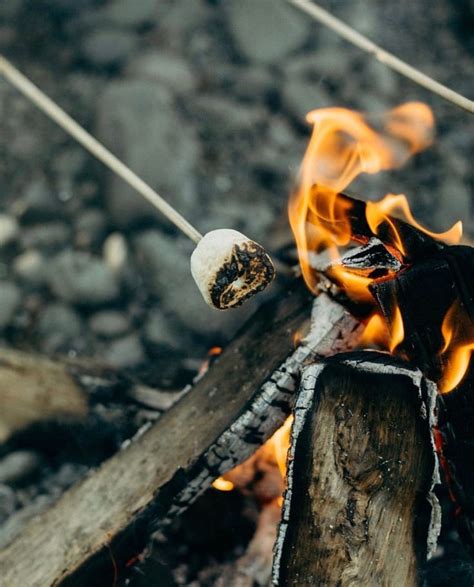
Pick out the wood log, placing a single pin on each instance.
(87, 537)
(34, 389)
(424, 293)
(361, 473)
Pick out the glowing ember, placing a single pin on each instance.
(223, 484)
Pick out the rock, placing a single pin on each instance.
(155, 399)
(266, 31)
(109, 324)
(37, 201)
(116, 252)
(164, 68)
(138, 120)
(163, 331)
(253, 83)
(70, 161)
(82, 279)
(18, 465)
(8, 229)
(125, 353)
(30, 268)
(8, 502)
(109, 47)
(164, 262)
(131, 14)
(58, 327)
(454, 203)
(47, 235)
(300, 96)
(10, 297)
(90, 228)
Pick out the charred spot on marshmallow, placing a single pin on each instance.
(248, 271)
(229, 268)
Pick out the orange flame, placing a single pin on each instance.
(458, 337)
(273, 451)
(342, 146)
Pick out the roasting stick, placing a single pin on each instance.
(343, 30)
(227, 266)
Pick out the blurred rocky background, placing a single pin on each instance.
(206, 100)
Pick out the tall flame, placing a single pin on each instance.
(343, 145)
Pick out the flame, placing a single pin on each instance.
(273, 451)
(343, 145)
(223, 484)
(458, 337)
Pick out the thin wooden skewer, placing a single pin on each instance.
(53, 111)
(388, 59)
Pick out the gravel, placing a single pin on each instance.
(82, 279)
(109, 324)
(137, 118)
(266, 31)
(10, 298)
(19, 465)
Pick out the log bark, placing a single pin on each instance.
(88, 536)
(361, 473)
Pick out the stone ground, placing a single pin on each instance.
(205, 100)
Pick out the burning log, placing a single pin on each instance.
(361, 471)
(426, 295)
(246, 395)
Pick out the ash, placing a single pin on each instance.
(205, 100)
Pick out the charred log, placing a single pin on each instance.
(361, 471)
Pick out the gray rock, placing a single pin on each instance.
(164, 262)
(106, 47)
(266, 31)
(47, 235)
(138, 120)
(8, 502)
(125, 352)
(79, 278)
(10, 297)
(109, 324)
(155, 399)
(18, 465)
(58, 327)
(454, 203)
(8, 229)
(37, 200)
(300, 96)
(164, 68)
(326, 63)
(70, 161)
(90, 227)
(31, 268)
(131, 14)
(161, 330)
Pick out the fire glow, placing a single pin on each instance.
(342, 146)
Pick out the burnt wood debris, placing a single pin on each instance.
(372, 407)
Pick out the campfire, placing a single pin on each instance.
(343, 408)
(367, 250)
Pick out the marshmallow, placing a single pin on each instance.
(229, 268)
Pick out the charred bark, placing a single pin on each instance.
(105, 520)
(361, 471)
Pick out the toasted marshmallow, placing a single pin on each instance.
(229, 268)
